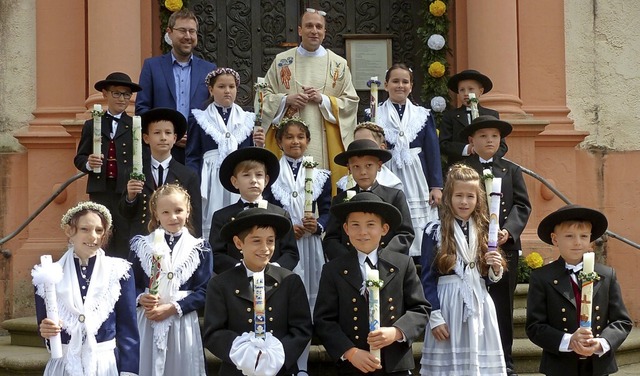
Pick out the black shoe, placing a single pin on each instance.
(511, 372)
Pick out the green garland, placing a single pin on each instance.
(434, 61)
(164, 21)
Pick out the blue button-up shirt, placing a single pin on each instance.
(182, 77)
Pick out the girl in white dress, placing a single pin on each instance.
(95, 299)
(293, 137)
(170, 339)
(410, 132)
(222, 127)
(462, 337)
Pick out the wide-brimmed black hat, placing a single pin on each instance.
(168, 114)
(598, 221)
(360, 148)
(248, 154)
(470, 74)
(483, 122)
(117, 79)
(255, 217)
(367, 202)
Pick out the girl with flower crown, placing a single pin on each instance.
(171, 269)
(95, 299)
(462, 337)
(222, 127)
(410, 132)
(293, 137)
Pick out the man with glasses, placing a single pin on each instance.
(176, 79)
(313, 83)
(115, 160)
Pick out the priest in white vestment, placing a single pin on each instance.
(314, 84)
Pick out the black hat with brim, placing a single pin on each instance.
(168, 114)
(248, 218)
(249, 154)
(367, 202)
(470, 74)
(598, 221)
(484, 122)
(117, 79)
(359, 148)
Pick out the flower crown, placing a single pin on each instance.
(294, 119)
(86, 205)
(218, 71)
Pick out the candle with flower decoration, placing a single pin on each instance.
(260, 321)
(97, 132)
(373, 284)
(156, 260)
(473, 103)
(48, 274)
(309, 165)
(350, 195)
(373, 83)
(137, 173)
(350, 181)
(494, 211)
(587, 277)
(258, 103)
(263, 204)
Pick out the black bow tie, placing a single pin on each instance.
(111, 117)
(488, 165)
(571, 271)
(250, 205)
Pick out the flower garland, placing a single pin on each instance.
(167, 7)
(527, 264)
(588, 277)
(433, 33)
(374, 283)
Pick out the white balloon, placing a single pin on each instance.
(438, 104)
(436, 42)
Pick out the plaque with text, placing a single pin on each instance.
(368, 56)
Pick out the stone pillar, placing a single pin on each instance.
(492, 45)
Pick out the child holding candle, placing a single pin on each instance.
(554, 299)
(341, 313)
(462, 337)
(410, 132)
(364, 158)
(372, 131)
(248, 172)
(221, 128)
(114, 160)
(230, 317)
(293, 137)
(453, 146)
(170, 339)
(96, 301)
(161, 127)
(485, 134)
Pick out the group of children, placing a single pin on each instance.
(313, 264)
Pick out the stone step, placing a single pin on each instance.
(520, 296)
(23, 331)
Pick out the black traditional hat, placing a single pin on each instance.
(168, 114)
(470, 74)
(367, 202)
(255, 217)
(248, 154)
(486, 121)
(572, 213)
(117, 79)
(360, 148)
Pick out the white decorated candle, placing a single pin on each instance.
(373, 105)
(97, 133)
(473, 103)
(494, 212)
(156, 261)
(308, 184)
(350, 194)
(374, 304)
(350, 181)
(263, 204)
(55, 342)
(259, 301)
(588, 264)
(137, 145)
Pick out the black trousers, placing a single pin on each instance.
(502, 294)
(118, 245)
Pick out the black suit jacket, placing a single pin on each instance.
(552, 312)
(336, 242)
(229, 313)
(515, 207)
(453, 122)
(341, 313)
(138, 212)
(226, 255)
(97, 182)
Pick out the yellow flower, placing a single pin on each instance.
(173, 5)
(534, 260)
(436, 69)
(437, 8)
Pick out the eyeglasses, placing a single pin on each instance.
(118, 94)
(320, 12)
(185, 31)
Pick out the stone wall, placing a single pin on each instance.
(17, 69)
(602, 68)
